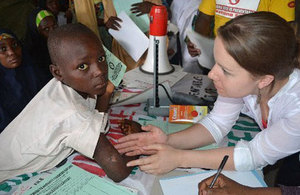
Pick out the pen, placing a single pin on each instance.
(219, 171)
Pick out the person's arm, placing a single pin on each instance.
(102, 104)
(197, 136)
(202, 26)
(113, 163)
(141, 8)
(225, 185)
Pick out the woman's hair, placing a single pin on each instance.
(263, 43)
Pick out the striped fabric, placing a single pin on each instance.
(41, 15)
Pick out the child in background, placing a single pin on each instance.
(18, 78)
(68, 113)
(59, 9)
(40, 23)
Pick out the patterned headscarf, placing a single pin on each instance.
(41, 15)
(5, 34)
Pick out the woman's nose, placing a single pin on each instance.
(212, 73)
(10, 51)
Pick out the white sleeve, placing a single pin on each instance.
(85, 136)
(279, 140)
(223, 116)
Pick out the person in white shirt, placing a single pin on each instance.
(68, 113)
(255, 73)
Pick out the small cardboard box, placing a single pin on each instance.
(186, 113)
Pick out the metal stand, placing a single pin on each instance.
(157, 107)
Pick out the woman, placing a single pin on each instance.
(40, 23)
(255, 73)
(18, 78)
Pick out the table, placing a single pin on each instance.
(134, 112)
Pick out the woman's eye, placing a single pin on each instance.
(82, 66)
(101, 59)
(15, 45)
(3, 49)
(46, 29)
(225, 72)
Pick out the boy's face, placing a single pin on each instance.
(84, 66)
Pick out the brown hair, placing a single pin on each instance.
(262, 43)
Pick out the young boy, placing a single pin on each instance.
(67, 114)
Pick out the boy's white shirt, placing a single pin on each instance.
(56, 122)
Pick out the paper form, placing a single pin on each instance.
(125, 5)
(130, 37)
(116, 68)
(206, 45)
(188, 184)
(70, 179)
(144, 82)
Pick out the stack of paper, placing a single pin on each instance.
(188, 184)
(70, 179)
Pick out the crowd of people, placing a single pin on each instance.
(55, 91)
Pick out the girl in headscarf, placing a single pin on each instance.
(18, 79)
(40, 23)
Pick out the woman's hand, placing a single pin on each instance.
(223, 186)
(165, 159)
(133, 144)
(141, 8)
(113, 23)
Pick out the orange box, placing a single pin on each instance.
(186, 113)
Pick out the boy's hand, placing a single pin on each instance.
(110, 87)
(113, 23)
(130, 127)
(141, 8)
(133, 144)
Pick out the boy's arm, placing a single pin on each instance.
(112, 162)
(102, 104)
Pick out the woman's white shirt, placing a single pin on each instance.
(280, 139)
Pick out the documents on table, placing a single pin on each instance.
(138, 86)
(70, 179)
(130, 37)
(116, 68)
(188, 184)
(206, 45)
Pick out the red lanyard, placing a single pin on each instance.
(264, 123)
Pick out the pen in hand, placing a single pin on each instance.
(219, 171)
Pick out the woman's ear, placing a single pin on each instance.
(265, 81)
(55, 70)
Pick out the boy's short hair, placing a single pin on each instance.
(72, 31)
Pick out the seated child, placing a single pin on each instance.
(39, 24)
(18, 78)
(67, 114)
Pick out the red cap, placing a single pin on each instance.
(158, 20)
